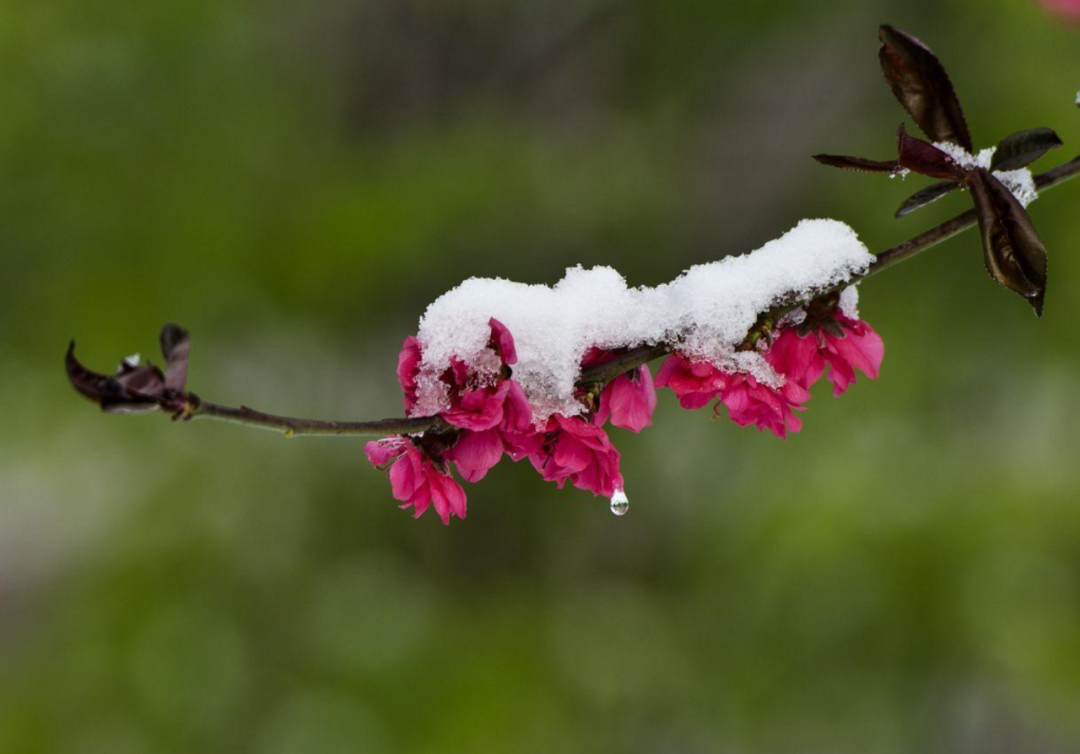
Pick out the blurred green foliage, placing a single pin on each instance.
(295, 181)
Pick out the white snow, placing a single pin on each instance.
(1020, 182)
(706, 312)
(849, 302)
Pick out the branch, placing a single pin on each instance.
(190, 406)
(293, 427)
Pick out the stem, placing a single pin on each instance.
(290, 426)
(607, 371)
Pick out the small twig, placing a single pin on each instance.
(607, 371)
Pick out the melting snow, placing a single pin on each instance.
(1019, 182)
(706, 312)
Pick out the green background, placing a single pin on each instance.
(295, 181)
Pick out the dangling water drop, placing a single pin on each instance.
(620, 504)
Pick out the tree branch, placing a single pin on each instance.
(601, 374)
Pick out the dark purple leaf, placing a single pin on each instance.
(135, 388)
(857, 163)
(1024, 147)
(131, 390)
(176, 347)
(928, 195)
(924, 158)
(919, 82)
(1014, 253)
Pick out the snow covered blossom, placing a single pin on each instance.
(798, 354)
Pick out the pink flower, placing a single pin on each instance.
(474, 405)
(1069, 9)
(797, 357)
(802, 358)
(750, 402)
(861, 348)
(477, 408)
(415, 480)
(575, 449)
(694, 382)
(628, 400)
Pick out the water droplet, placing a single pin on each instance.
(620, 504)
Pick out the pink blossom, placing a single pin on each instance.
(797, 357)
(474, 404)
(802, 358)
(575, 449)
(694, 382)
(628, 400)
(415, 480)
(750, 402)
(502, 342)
(1069, 9)
(861, 348)
(477, 408)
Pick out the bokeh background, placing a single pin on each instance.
(295, 181)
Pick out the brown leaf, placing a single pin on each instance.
(925, 196)
(136, 389)
(1022, 148)
(131, 390)
(1014, 253)
(860, 164)
(920, 83)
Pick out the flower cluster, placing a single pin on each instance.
(487, 417)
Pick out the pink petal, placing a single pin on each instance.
(479, 409)
(503, 342)
(796, 357)
(630, 402)
(381, 452)
(446, 495)
(407, 369)
(406, 475)
(517, 413)
(476, 453)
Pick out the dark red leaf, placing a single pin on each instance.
(857, 163)
(1014, 253)
(924, 158)
(928, 195)
(919, 82)
(1024, 147)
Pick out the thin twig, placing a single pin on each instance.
(603, 373)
